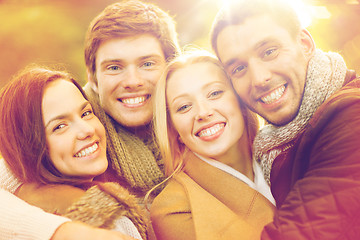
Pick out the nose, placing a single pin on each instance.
(260, 74)
(84, 129)
(205, 111)
(133, 78)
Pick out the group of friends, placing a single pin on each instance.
(166, 143)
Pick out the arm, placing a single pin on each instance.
(8, 181)
(325, 202)
(52, 198)
(76, 230)
(20, 220)
(171, 215)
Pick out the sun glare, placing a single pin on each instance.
(303, 8)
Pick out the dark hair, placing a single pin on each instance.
(238, 11)
(22, 132)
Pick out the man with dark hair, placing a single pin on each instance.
(309, 150)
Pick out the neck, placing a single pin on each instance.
(142, 132)
(239, 157)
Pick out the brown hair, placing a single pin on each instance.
(130, 18)
(22, 131)
(238, 11)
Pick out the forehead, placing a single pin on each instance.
(129, 48)
(249, 35)
(194, 77)
(59, 97)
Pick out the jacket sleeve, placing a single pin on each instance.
(171, 215)
(20, 220)
(325, 202)
(8, 180)
(104, 204)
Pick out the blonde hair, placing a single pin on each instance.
(171, 148)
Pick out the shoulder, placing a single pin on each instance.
(333, 133)
(345, 101)
(171, 197)
(51, 197)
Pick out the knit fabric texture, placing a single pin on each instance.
(325, 75)
(105, 203)
(8, 180)
(136, 161)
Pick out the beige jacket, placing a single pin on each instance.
(204, 202)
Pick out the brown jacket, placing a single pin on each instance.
(316, 183)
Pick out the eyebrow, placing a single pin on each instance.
(107, 61)
(62, 116)
(205, 86)
(256, 46)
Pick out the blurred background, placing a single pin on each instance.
(51, 32)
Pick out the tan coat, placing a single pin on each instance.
(204, 202)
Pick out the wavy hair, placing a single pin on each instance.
(22, 131)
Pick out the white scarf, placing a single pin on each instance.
(325, 75)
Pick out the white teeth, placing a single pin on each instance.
(211, 131)
(135, 100)
(87, 151)
(273, 96)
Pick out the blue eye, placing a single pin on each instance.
(183, 108)
(113, 68)
(148, 64)
(215, 94)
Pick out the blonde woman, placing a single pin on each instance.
(205, 135)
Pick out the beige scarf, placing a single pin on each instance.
(326, 74)
(136, 161)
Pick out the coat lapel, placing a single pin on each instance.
(213, 193)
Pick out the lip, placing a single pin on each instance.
(87, 146)
(273, 91)
(134, 101)
(219, 127)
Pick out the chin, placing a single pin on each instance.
(282, 121)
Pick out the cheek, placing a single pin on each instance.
(56, 155)
(153, 77)
(240, 88)
(100, 128)
(107, 84)
(182, 126)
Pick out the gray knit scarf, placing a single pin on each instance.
(325, 75)
(136, 161)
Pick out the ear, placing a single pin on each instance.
(307, 43)
(92, 81)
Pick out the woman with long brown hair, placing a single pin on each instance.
(49, 135)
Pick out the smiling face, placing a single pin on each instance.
(127, 70)
(75, 137)
(267, 66)
(204, 110)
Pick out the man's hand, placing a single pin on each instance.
(77, 230)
